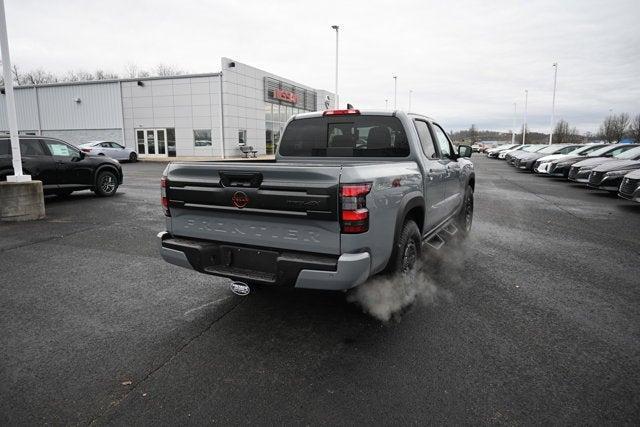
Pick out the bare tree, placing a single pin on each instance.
(130, 71)
(39, 76)
(634, 128)
(562, 132)
(473, 134)
(77, 76)
(614, 127)
(105, 75)
(167, 70)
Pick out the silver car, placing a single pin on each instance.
(109, 149)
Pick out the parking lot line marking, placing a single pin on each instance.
(186, 313)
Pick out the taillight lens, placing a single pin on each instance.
(164, 184)
(86, 150)
(354, 215)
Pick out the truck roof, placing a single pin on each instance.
(362, 112)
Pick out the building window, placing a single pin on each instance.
(202, 138)
(171, 142)
(242, 137)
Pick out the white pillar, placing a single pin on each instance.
(395, 92)
(409, 110)
(524, 121)
(386, 104)
(513, 127)
(11, 102)
(553, 102)
(337, 28)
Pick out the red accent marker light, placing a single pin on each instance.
(354, 215)
(350, 112)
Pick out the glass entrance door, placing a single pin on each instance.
(152, 142)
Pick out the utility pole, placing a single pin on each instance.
(524, 125)
(409, 110)
(395, 92)
(336, 27)
(553, 102)
(513, 127)
(17, 176)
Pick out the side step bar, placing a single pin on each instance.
(436, 240)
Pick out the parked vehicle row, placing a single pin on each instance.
(609, 167)
(62, 167)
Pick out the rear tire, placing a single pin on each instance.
(106, 184)
(407, 251)
(465, 217)
(133, 157)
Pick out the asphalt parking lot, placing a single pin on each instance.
(535, 320)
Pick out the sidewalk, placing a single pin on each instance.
(203, 158)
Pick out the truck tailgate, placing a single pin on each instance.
(284, 206)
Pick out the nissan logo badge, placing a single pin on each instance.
(239, 199)
(240, 288)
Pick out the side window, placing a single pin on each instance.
(426, 141)
(443, 142)
(5, 147)
(116, 145)
(58, 148)
(31, 147)
(105, 144)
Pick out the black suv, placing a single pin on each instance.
(61, 167)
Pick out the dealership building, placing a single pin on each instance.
(209, 115)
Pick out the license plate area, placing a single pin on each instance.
(249, 259)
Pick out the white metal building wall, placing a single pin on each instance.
(98, 106)
(26, 110)
(244, 104)
(76, 113)
(184, 103)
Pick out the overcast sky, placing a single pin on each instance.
(466, 62)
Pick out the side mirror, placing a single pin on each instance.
(464, 151)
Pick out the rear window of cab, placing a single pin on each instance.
(345, 136)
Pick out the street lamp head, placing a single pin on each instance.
(335, 27)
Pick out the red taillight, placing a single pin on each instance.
(164, 200)
(354, 215)
(348, 112)
(86, 150)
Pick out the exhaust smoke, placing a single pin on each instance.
(388, 297)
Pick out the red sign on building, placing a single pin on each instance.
(285, 95)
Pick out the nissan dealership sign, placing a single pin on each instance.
(279, 92)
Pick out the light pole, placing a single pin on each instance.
(553, 102)
(409, 110)
(336, 27)
(395, 92)
(524, 120)
(11, 102)
(386, 104)
(513, 127)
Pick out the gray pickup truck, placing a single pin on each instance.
(349, 195)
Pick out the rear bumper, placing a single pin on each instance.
(265, 265)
